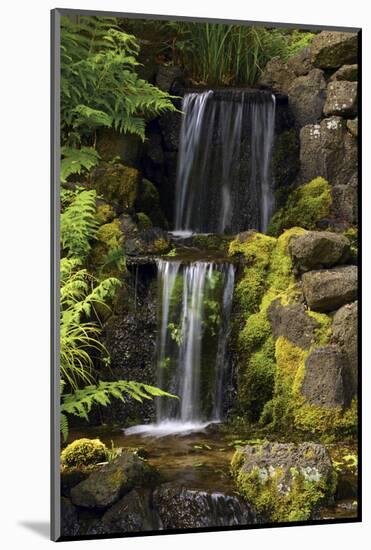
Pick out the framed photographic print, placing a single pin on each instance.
(205, 265)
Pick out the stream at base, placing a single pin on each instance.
(201, 460)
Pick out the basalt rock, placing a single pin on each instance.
(277, 75)
(183, 508)
(301, 63)
(331, 49)
(328, 150)
(307, 97)
(341, 99)
(326, 378)
(346, 72)
(345, 335)
(345, 201)
(293, 323)
(316, 249)
(130, 514)
(69, 518)
(105, 486)
(329, 289)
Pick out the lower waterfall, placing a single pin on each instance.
(195, 303)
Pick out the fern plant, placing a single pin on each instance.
(78, 224)
(100, 86)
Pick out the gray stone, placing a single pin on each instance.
(345, 335)
(345, 201)
(316, 249)
(352, 126)
(170, 123)
(328, 150)
(301, 63)
(346, 72)
(326, 378)
(132, 513)
(341, 99)
(329, 289)
(167, 76)
(105, 486)
(307, 97)
(187, 508)
(277, 75)
(69, 519)
(293, 323)
(331, 49)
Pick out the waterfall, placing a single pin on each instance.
(224, 182)
(195, 303)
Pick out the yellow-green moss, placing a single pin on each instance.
(143, 221)
(264, 490)
(116, 183)
(107, 252)
(352, 234)
(105, 213)
(84, 452)
(161, 246)
(305, 206)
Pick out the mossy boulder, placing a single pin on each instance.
(125, 147)
(292, 322)
(305, 206)
(105, 486)
(105, 213)
(331, 49)
(148, 202)
(117, 184)
(84, 452)
(144, 221)
(107, 254)
(318, 249)
(283, 481)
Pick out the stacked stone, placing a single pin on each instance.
(321, 84)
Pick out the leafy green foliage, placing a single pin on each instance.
(215, 53)
(77, 161)
(79, 338)
(99, 83)
(79, 224)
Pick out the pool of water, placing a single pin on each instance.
(201, 460)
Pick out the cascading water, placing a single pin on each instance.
(224, 182)
(195, 306)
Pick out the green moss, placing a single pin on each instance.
(143, 221)
(161, 246)
(322, 333)
(116, 183)
(352, 234)
(264, 490)
(305, 206)
(106, 255)
(84, 452)
(105, 213)
(215, 243)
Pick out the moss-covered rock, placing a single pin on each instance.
(305, 206)
(84, 452)
(117, 184)
(107, 255)
(105, 213)
(148, 202)
(283, 481)
(143, 221)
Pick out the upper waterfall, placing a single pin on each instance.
(224, 181)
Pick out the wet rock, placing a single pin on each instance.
(316, 249)
(167, 77)
(346, 72)
(341, 99)
(326, 378)
(183, 508)
(170, 123)
(328, 150)
(130, 514)
(345, 335)
(285, 159)
(105, 486)
(293, 323)
(284, 481)
(331, 49)
(307, 97)
(329, 289)
(69, 518)
(277, 75)
(352, 126)
(153, 148)
(127, 147)
(345, 201)
(301, 63)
